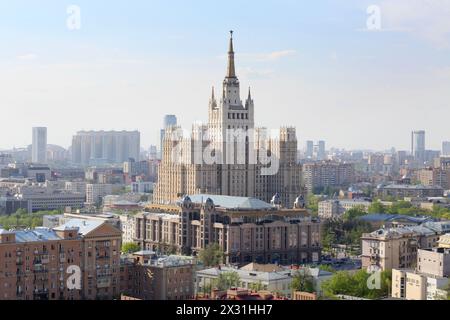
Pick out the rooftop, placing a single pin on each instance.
(84, 226)
(230, 202)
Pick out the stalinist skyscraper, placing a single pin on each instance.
(235, 155)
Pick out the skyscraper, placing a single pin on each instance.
(169, 121)
(309, 149)
(321, 150)
(39, 146)
(235, 173)
(446, 148)
(418, 145)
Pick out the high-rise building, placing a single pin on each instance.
(309, 149)
(39, 147)
(170, 120)
(232, 172)
(320, 175)
(321, 150)
(418, 145)
(446, 148)
(105, 147)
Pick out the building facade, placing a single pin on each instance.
(78, 260)
(105, 147)
(226, 164)
(246, 229)
(320, 175)
(39, 146)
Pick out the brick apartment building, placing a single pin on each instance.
(42, 264)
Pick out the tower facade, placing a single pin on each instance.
(39, 146)
(231, 150)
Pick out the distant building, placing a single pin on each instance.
(446, 148)
(309, 149)
(320, 175)
(96, 192)
(105, 147)
(434, 177)
(401, 191)
(418, 145)
(330, 209)
(39, 146)
(170, 120)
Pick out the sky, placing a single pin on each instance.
(317, 65)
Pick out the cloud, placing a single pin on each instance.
(426, 19)
(27, 57)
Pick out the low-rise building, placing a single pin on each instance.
(400, 191)
(330, 209)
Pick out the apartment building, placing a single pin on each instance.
(148, 276)
(319, 175)
(428, 281)
(38, 264)
(396, 248)
(247, 229)
(96, 192)
(401, 191)
(434, 177)
(330, 209)
(100, 258)
(47, 198)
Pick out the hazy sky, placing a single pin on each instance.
(311, 64)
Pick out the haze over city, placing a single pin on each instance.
(314, 66)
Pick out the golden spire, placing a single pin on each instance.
(231, 72)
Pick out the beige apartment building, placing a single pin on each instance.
(41, 264)
(236, 167)
(428, 281)
(396, 248)
(330, 209)
(247, 229)
(434, 177)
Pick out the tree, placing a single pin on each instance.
(130, 247)
(227, 280)
(377, 207)
(353, 213)
(303, 281)
(357, 285)
(212, 255)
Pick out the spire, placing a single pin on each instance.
(231, 72)
(249, 94)
(212, 95)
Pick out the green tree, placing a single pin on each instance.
(212, 255)
(356, 285)
(130, 247)
(353, 213)
(303, 281)
(377, 207)
(227, 280)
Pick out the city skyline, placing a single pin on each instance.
(324, 66)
